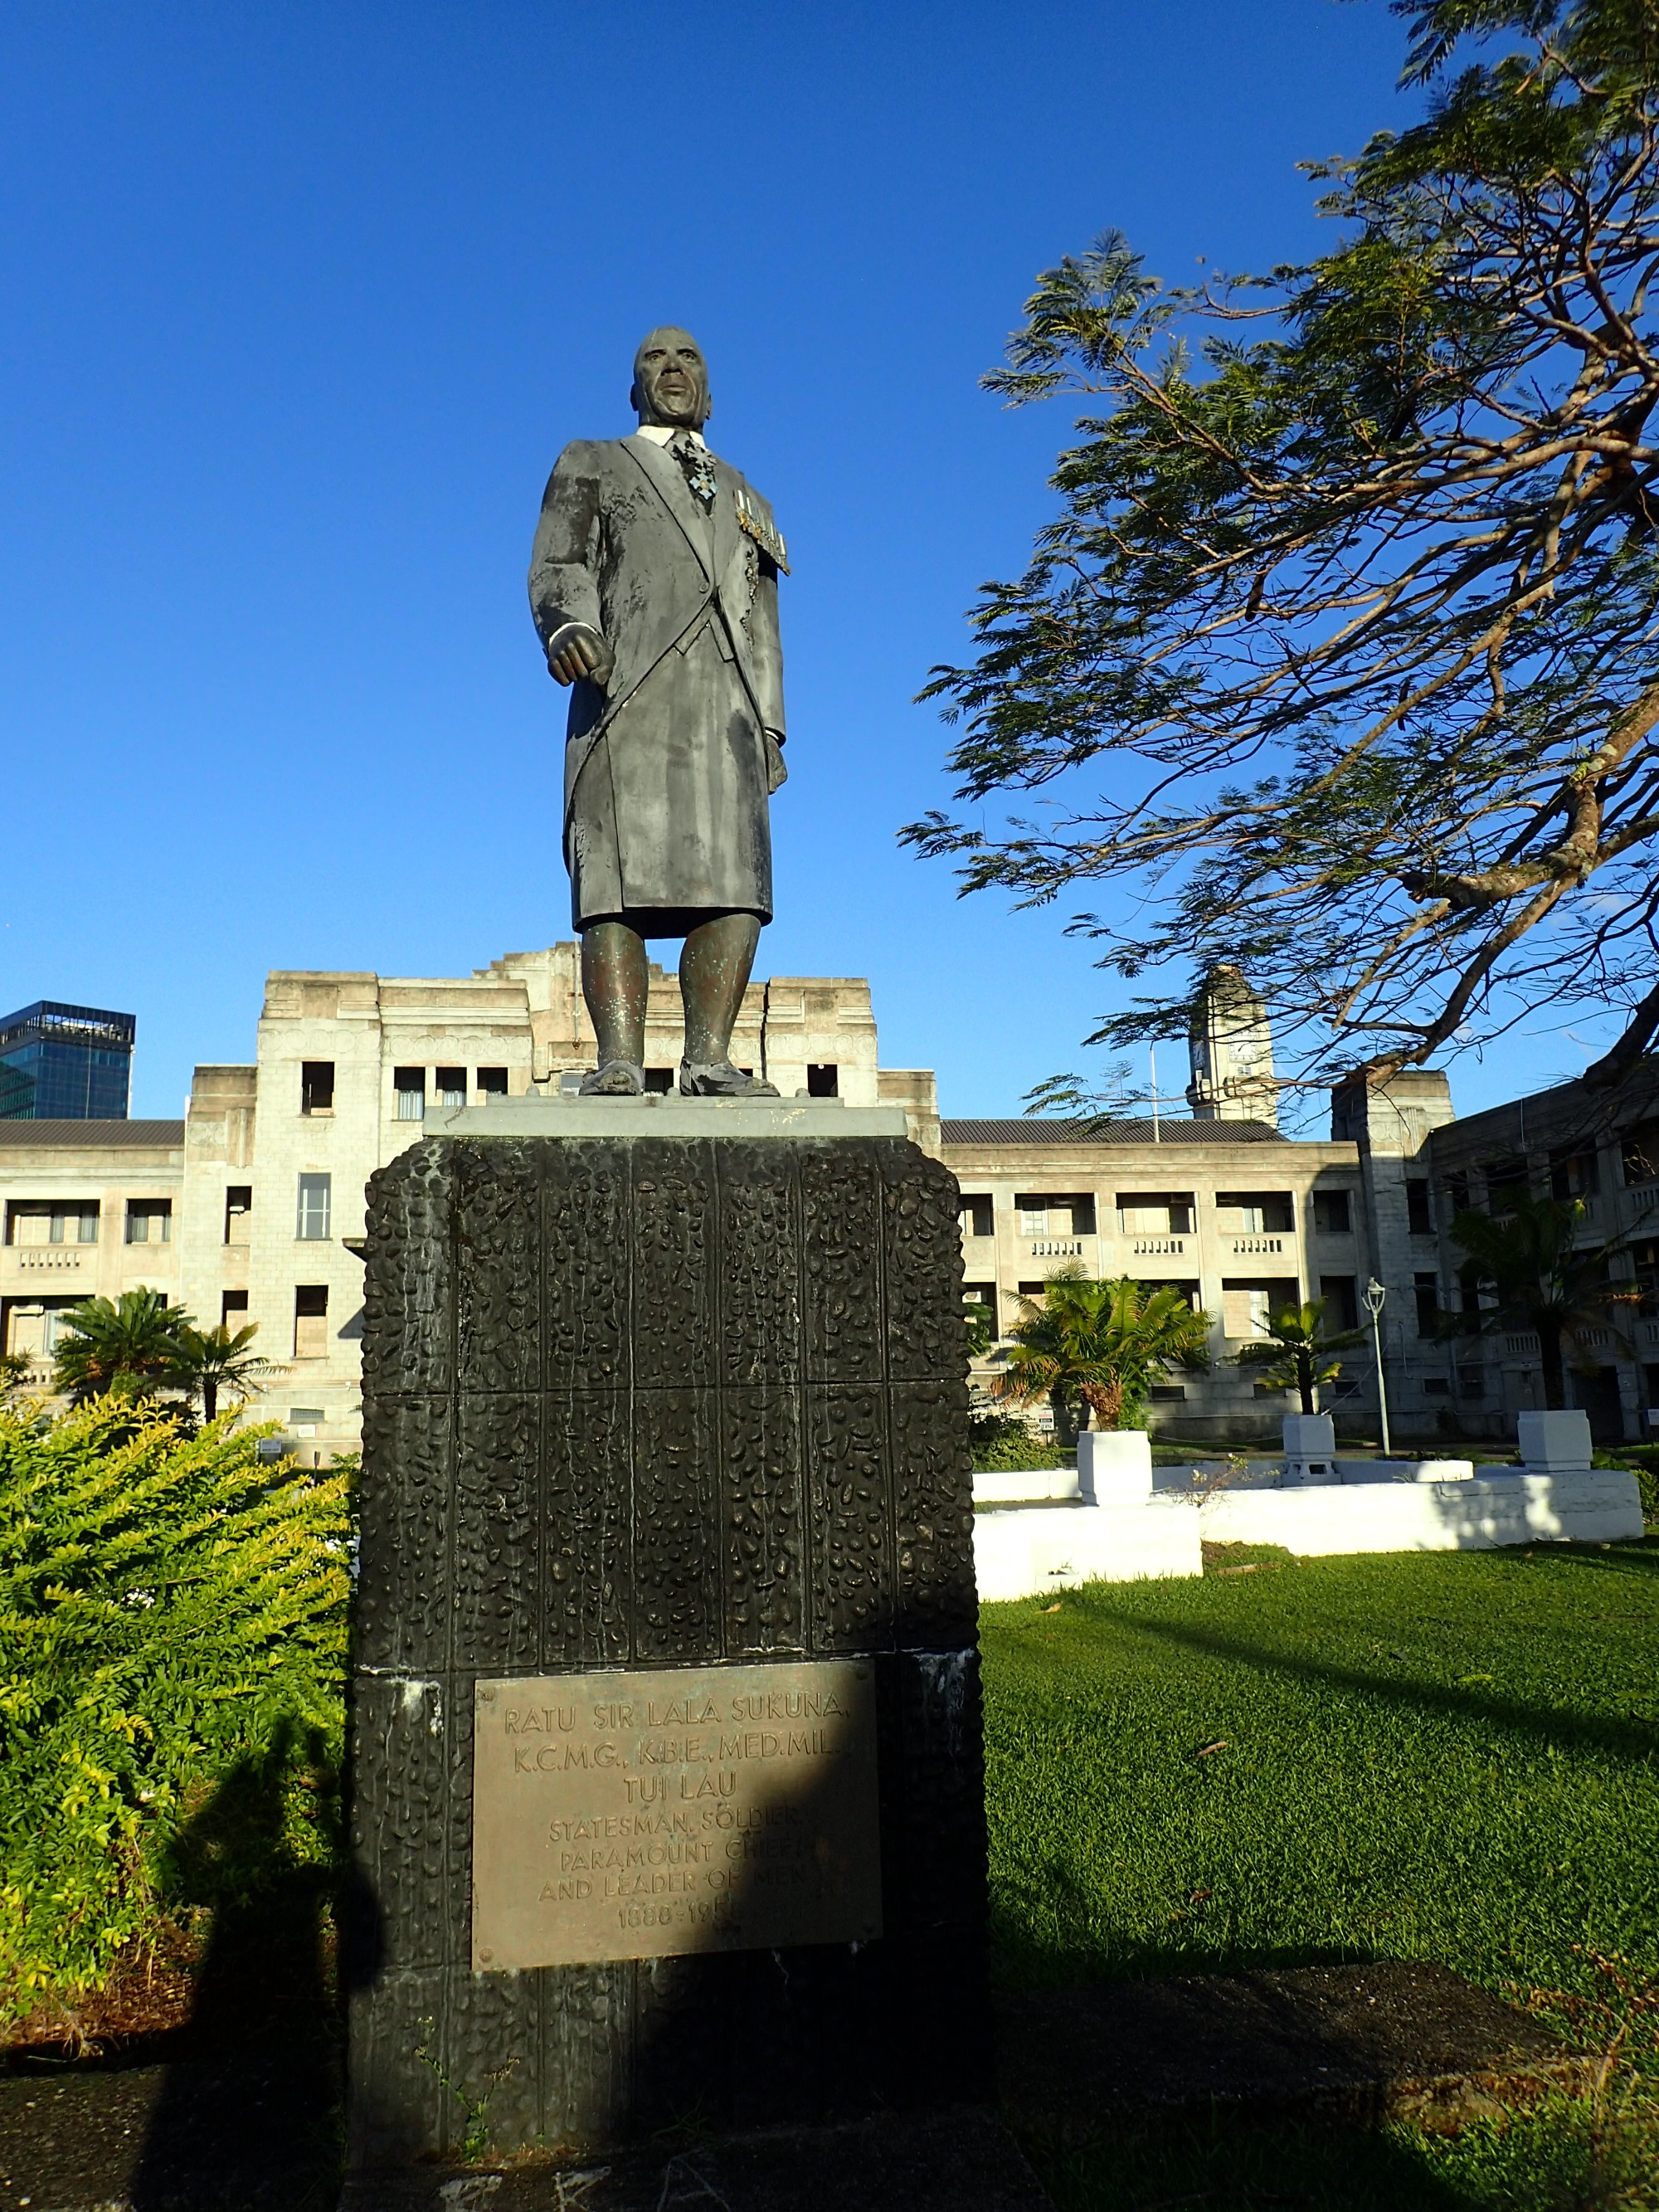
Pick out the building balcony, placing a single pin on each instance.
(1158, 1248)
(52, 1258)
(1057, 1248)
(1245, 1248)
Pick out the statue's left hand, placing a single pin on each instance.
(577, 653)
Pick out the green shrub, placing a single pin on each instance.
(1642, 1461)
(1003, 1444)
(171, 1609)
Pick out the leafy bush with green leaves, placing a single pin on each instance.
(1642, 1461)
(1003, 1443)
(172, 1607)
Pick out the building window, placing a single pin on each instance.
(1247, 1308)
(1641, 1152)
(1457, 1189)
(1418, 1217)
(1435, 1386)
(1426, 1290)
(1256, 1213)
(1167, 1393)
(823, 1081)
(985, 1294)
(1506, 1182)
(32, 1326)
(316, 1087)
(1341, 1301)
(1063, 1213)
(305, 1420)
(150, 1220)
(311, 1321)
(658, 1081)
(314, 1195)
(1332, 1212)
(410, 1084)
(1574, 1175)
(492, 1083)
(1472, 1382)
(451, 1086)
(976, 1216)
(233, 1311)
(1155, 1213)
(238, 1204)
(52, 1221)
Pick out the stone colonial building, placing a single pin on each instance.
(251, 1210)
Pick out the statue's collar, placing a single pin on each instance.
(663, 434)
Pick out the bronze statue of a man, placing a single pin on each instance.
(653, 582)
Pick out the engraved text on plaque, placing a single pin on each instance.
(642, 1815)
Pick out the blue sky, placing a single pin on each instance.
(300, 303)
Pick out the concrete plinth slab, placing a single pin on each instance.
(665, 1114)
(1467, 1514)
(960, 2162)
(1023, 1552)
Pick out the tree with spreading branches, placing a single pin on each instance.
(1340, 653)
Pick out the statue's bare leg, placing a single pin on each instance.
(715, 967)
(615, 980)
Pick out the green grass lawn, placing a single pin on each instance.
(1449, 1757)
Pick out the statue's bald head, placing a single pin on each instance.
(670, 379)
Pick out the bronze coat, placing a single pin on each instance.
(669, 770)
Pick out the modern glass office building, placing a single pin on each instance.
(65, 1063)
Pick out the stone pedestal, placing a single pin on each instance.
(678, 1394)
(1555, 1443)
(1115, 1467)
(1309, 1448)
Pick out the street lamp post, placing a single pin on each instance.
(1375, 1297)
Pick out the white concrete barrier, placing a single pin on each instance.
(1047, 1547)
(1026, 1485)
(1469, 1513)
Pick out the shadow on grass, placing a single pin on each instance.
(1633, 1739)
(1222, 2164)
(248, 2112)
(1641, 1553)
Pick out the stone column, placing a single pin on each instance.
(660, 1392)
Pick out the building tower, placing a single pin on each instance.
(1231, 1046)
(62, 1063)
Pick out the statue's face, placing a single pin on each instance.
(671, 380)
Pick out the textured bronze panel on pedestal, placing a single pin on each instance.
(645, 1403)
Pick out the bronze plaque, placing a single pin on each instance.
(688, 1809)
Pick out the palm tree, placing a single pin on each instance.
(1296, 1352)
(981, 1328)
(1102, 1342)
(212, 1360)
(1538, 1280)
(130, 1347)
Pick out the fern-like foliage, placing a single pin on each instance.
(170, 1608)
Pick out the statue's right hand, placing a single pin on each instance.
(578, 653)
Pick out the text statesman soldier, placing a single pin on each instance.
(654, 582)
